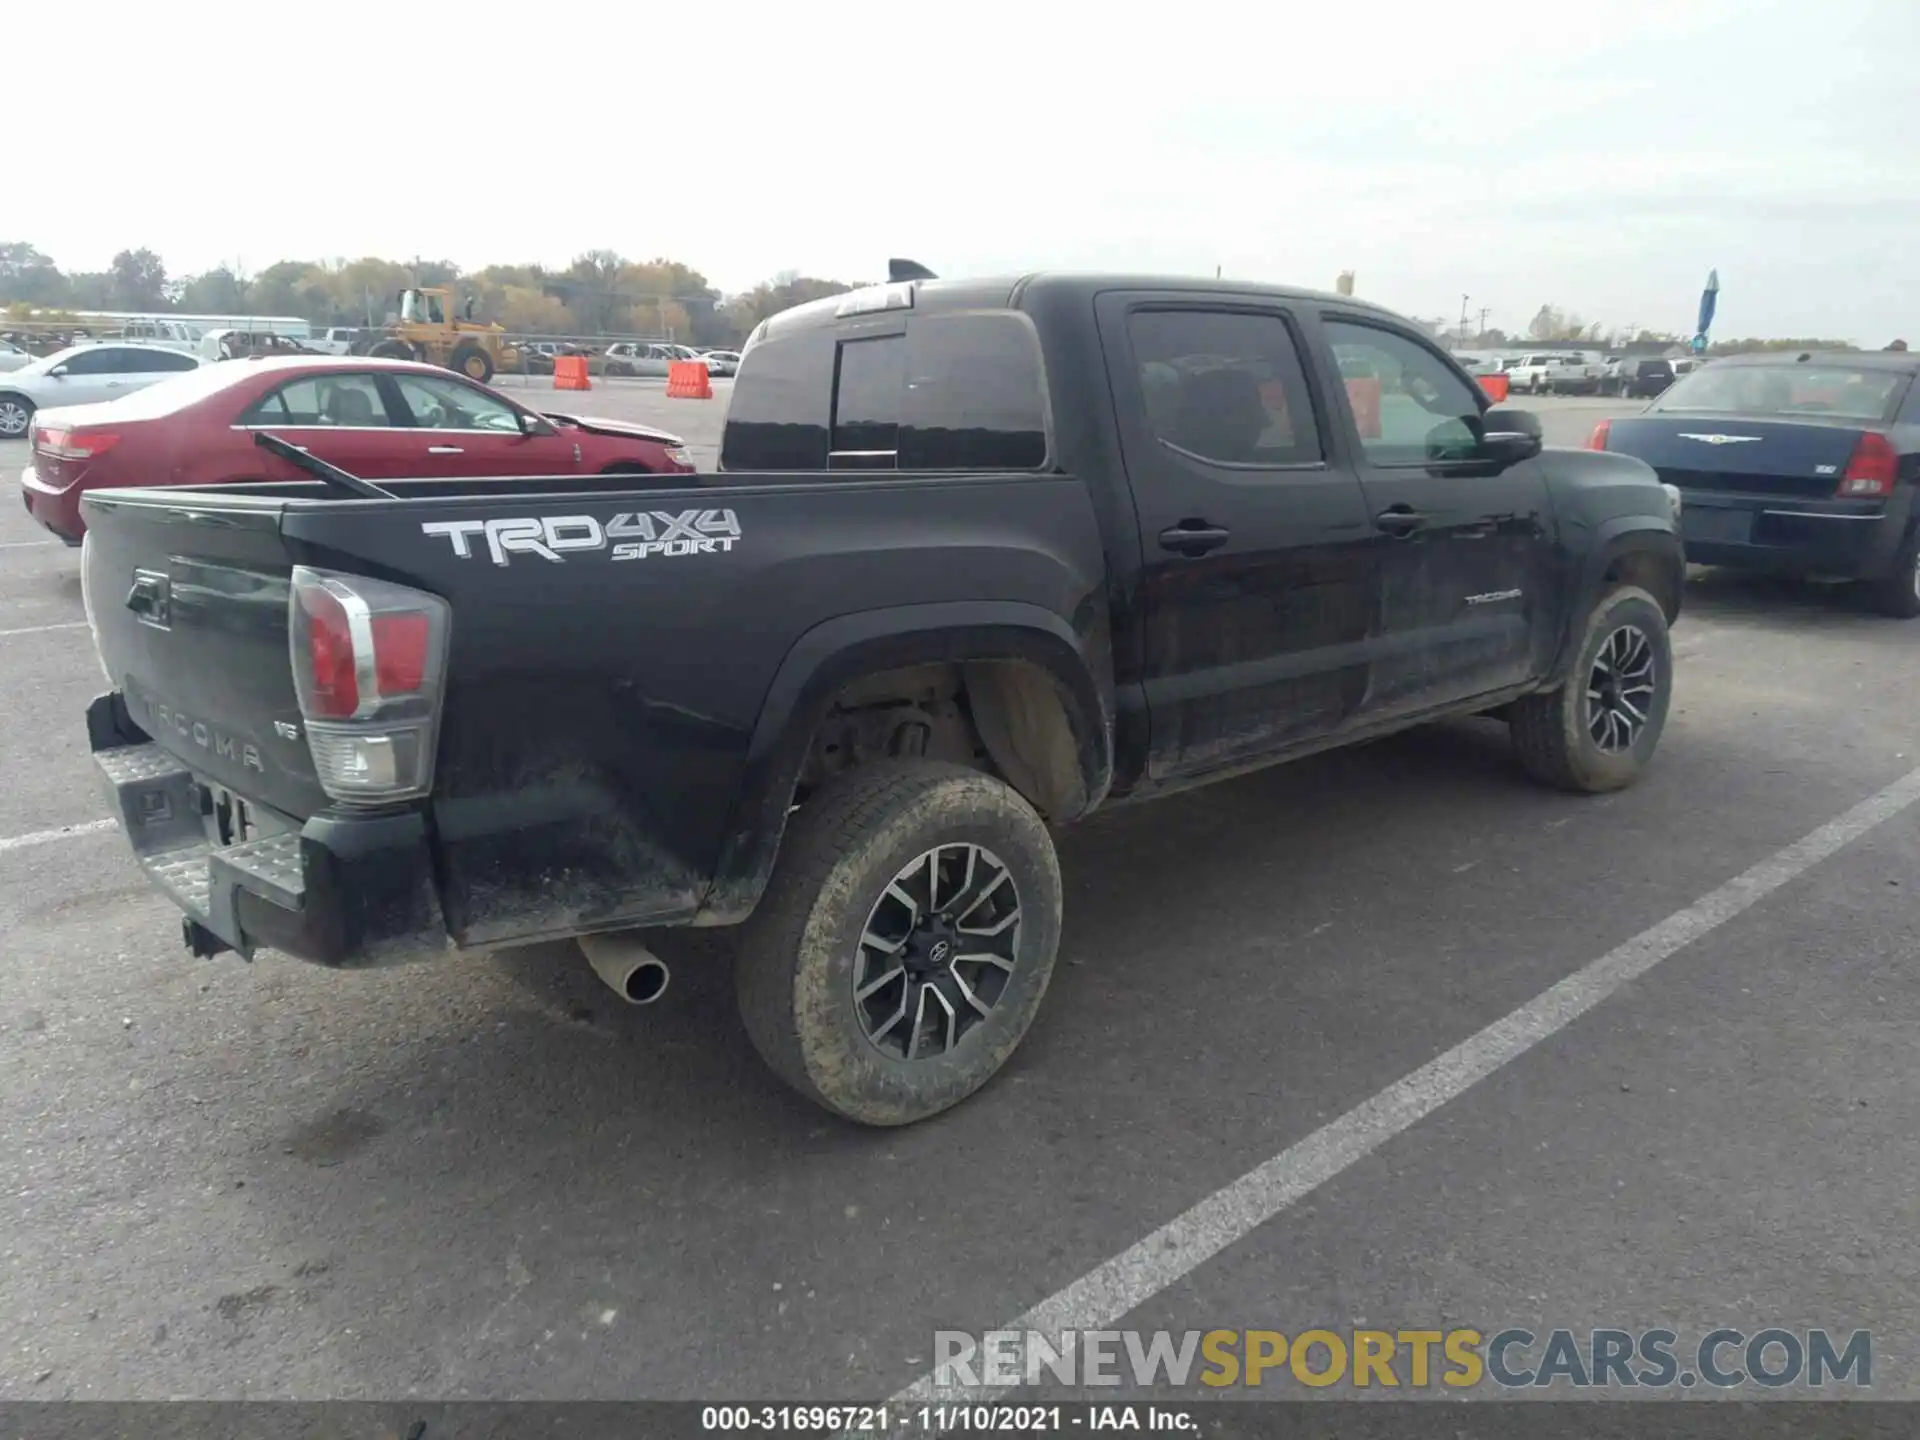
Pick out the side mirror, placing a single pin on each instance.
(58, 372)
(532, 425)
(1510, 435)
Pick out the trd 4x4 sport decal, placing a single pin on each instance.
(637, 535)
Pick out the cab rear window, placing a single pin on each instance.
(934, 392)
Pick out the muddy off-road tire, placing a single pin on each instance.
(940, 873)
(1598, 731)
(392, 350)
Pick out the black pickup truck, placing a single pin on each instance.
(980, 557)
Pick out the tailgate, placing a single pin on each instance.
(1800, 459)
(188, 603)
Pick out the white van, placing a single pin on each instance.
(167, 334)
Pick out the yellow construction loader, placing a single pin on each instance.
(429, 330)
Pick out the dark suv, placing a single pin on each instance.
(1643, 378)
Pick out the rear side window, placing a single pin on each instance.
(1224, 386)
(339, 401)
(168, 360)
(948, 392)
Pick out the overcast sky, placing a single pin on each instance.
(1600, 155)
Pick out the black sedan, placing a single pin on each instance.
(1801, 464)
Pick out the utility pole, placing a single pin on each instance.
(1484, 312)
(1463, 318)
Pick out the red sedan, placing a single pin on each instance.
(379, 419)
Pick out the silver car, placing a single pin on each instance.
(82, 375)
(12, 357)
(644, 357)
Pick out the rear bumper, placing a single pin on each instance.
(1848, 540)
(343, 891)
(55, 510)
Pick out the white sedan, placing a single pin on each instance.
(80, 376)
(12, 357)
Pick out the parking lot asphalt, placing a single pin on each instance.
(487, 1178)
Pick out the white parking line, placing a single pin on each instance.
(24, 544)
(1104, 1294)
(47, 837)
(42, 629)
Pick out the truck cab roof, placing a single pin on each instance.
(1010, 292)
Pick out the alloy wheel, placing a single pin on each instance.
(937, 951)
(14, 418)
(1621, 688)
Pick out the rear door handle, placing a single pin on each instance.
(445, 450)
(1400, 520)
(1193, 537)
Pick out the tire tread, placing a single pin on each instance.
(1538, 724)
(834, 824)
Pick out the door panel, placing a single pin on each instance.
(370, 454)
(1466, 551)
(97, 373)
(471, 432)
(1258, 584)
(490, 454)
(344, 417)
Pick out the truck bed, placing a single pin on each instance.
(612, 684)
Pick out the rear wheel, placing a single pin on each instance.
(1598, 731)
(392, 350)
(1896, 594)
(16, 416)
(472, 362)
(905, 940)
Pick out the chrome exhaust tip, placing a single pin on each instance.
(628, 968)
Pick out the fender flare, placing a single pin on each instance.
(1613, 538)
(833, 654)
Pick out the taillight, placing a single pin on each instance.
(1872, 471)
(332, 671)
(63, 443)
(1598, 439)
(369, 665)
